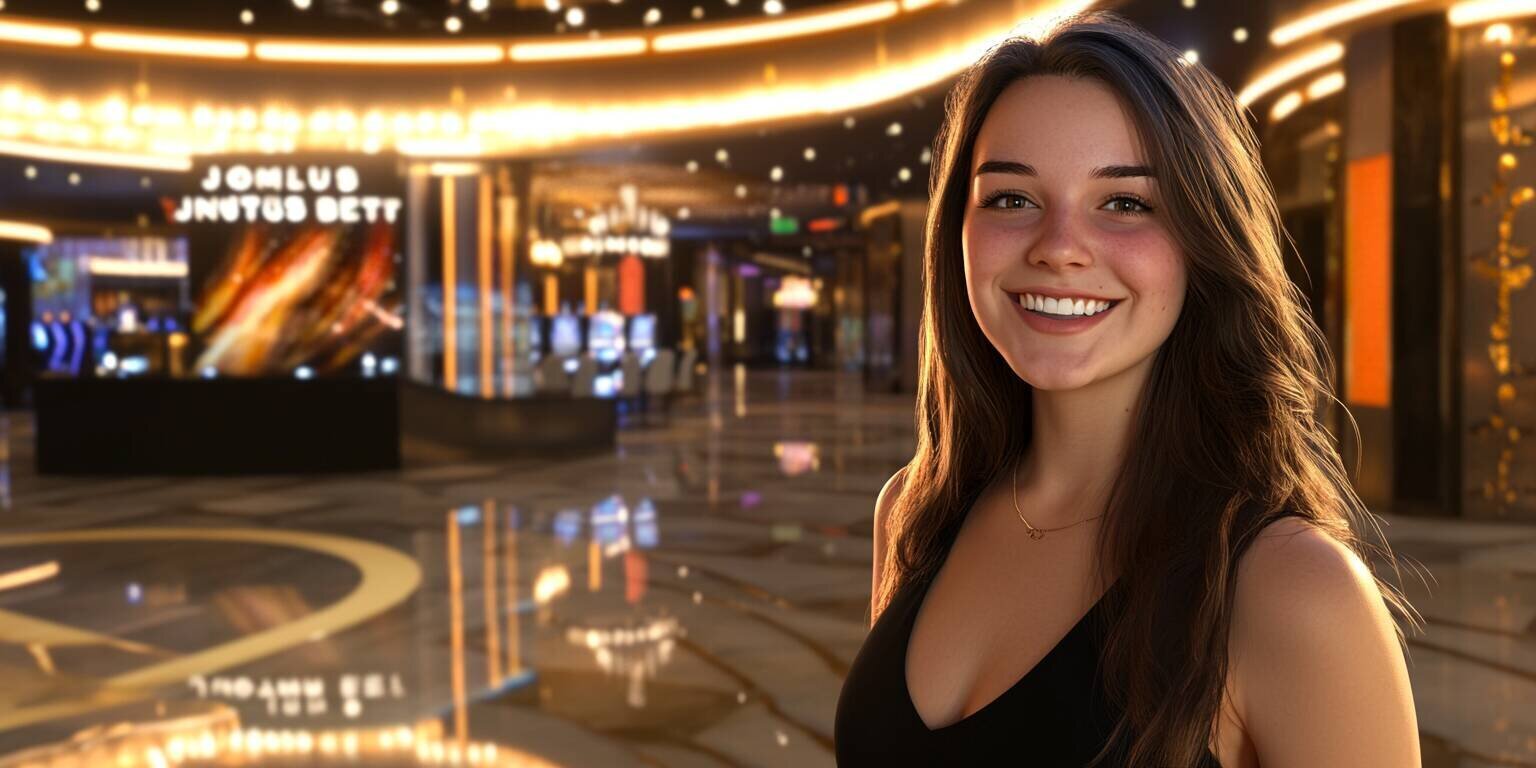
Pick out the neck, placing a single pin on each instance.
(1077, 446)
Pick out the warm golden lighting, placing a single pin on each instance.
(379, 53)
(762, 31)
(577, 49)
(37, 33)
(83, 156)
(164, 134)
(1332, 16)
(1483, 11)
(1285, 105)
(1327, 85)
(29, 575)
(172, 45)
(29, 233)
(1285, 71)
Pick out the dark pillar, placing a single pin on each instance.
(1424, 263)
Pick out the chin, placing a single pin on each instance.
(1047, 377)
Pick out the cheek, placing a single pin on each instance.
(1153, 268)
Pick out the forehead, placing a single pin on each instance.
(1058, 124)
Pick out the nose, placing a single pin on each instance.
(1059, 245)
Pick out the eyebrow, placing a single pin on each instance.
(1106, 172)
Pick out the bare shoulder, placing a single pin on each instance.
(881, 535)
(887, 498)
(1318, 674)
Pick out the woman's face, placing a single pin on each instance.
(1065, 216)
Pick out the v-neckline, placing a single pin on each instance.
(911, 629)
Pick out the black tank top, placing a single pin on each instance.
(1056, 715)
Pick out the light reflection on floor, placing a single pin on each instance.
(692, 598)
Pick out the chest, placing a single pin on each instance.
(998, 607)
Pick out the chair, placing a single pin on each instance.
(550, 376)
(658, 378)
(582, 382)
(632, 374)
(684, 382)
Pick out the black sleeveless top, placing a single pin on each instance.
(1056, 715)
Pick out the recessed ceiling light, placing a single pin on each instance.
(926, 157)
(777, 174)
(894, 129)
(575, 17)
(721, 155)
(683, 213)
(741, 190)
(74, 179)
(31, 171)
(93, 5)
(302, 5)
(390, 7)
(774, 213)
(810, 154)
(698, 11)
(1189, 3)
(479, 6)
(1191, 56)
(452, 24)
(773, 7)
(692, 166)
(246, 17)
(905, 174)
(848, 122)
(652, 16)
(1240, 34)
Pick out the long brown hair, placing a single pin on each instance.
(1231, 402)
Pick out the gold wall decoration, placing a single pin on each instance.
(1508, 267)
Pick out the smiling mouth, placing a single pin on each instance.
(1063, 309)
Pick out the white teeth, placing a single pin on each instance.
(1063, 307)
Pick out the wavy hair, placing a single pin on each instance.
(1231, 404)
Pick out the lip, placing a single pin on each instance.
(1053, 325)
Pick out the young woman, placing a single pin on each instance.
(1124, 539)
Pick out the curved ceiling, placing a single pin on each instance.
(70, 108)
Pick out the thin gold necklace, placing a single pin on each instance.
(1039, 533)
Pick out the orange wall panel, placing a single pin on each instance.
(1368, 281)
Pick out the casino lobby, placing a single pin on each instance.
(510, 382)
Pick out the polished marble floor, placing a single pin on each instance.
(692, 598)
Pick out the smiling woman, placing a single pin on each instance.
(1124, 539)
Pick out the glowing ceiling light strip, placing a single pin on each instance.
(577, 49)
(1480, 11)
(20, 230)
(1331, 17)
(491, 129)
(146, 161)
(912, 5)
(1285, 105)
(172, 45)
(31, 574)
(379, 53)
(1327, 85)
(757, 32)
(33, 33)
(1288, 70)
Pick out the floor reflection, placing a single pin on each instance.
(691, 599)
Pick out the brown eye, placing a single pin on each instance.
(1133, 205)
(1008, 200)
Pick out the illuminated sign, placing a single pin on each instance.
(284, 193)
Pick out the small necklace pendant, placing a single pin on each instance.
(1036, 534)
